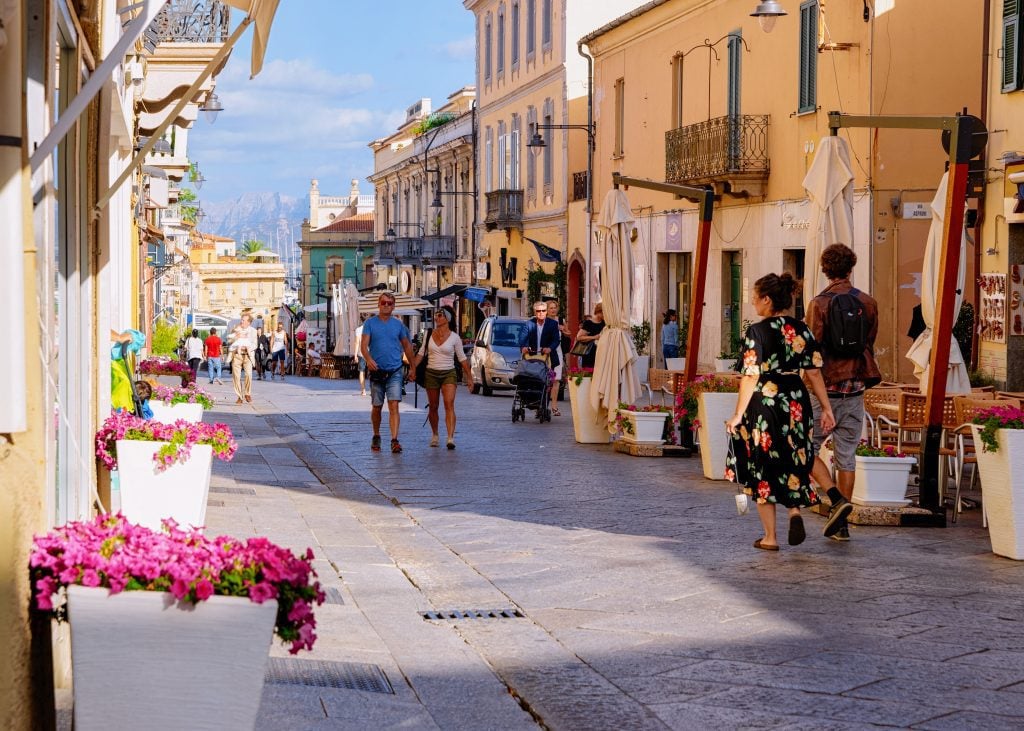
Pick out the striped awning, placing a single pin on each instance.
(404, 303)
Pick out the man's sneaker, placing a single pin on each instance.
(375, 443)
(395, 446)
(837, 517)
(843, 534)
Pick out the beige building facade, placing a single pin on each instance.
(694, 92)
(228, 286)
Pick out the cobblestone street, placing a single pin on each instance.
(643, 604)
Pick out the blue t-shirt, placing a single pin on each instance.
(386, 341)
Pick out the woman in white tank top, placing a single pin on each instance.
(443, 350)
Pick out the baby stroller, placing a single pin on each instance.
(533, 388)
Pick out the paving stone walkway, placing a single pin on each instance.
(644, 605)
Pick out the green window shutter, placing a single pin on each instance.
(809, 56)
(1011, 45)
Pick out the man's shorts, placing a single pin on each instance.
(849, 413)
(392, 389)
(361, 363)
(278, 355)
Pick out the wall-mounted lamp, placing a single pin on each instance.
(211, 107)
(767, 12)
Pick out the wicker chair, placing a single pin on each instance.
(965, 409)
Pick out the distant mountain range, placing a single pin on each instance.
(273, 218)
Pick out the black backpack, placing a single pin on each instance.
(847, 333)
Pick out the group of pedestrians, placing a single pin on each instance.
(800, 383)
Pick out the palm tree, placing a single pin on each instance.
(251, 247)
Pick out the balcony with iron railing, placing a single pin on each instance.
(504, 209)
(439, 250)
(191, 21)
(408, 250)
(384, 252)
(730, 153)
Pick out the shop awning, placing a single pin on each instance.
(474, 294)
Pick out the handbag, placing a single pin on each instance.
(380, 376)
(742, 499)
(581, 349)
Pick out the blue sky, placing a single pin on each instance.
(337, 75)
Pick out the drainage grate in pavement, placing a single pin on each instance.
(321, 674)
(473, 614)
(234, 490)
(333, 595)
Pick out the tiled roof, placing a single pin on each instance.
(359, 223)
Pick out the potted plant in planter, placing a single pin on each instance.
(167, 367)
(641, 339)
(587, 428)
(726, 361)
(163, 469)
(1000, 432)
(170, 403)
(881, 475)
(171, 618)
(645, 424)
(713, 400)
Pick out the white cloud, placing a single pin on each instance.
(461, 49)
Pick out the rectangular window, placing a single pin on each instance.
(808, 56)
(531, 27)
(677, 92)
(487, 49)
(549, 156)
(501, 42)
(1011, 80)
(515, 34)
(620, 117)
(513, 181)
(489, 160)
(531, 166)
(502, 157)
(545, 34)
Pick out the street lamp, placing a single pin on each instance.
(360, 253)
(391, 229)
(211, 107)
(537, 142)
(767, 12)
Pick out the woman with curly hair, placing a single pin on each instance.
(771, 430)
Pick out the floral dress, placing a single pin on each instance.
(772, 452)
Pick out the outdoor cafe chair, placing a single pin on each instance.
(662, 381)
(881, 401)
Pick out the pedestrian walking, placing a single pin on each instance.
(262, 352)
(241, 353)
(278, 351)
(845, 321)
(443, 351)
(384, 341)
(194, 352)
(360, 360)
(541, 336)
(564, 346)
(590, 332)
(772, 447)
(211, 351)
(670, 335)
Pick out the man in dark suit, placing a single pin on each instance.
(541, 335)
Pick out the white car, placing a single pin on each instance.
(496, 354)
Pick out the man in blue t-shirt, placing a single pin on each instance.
(384, 341)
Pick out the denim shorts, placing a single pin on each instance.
(849, 413)
(392, 389)
(278, 355)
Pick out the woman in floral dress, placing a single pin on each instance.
(771, 430)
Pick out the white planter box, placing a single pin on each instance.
(713, 410)
(140, 659)
(881, 481)
(168, 414)
(723, 365)
(585, 424)
(1002, 486)
(648, 426)
(675, 364)
(179, 492)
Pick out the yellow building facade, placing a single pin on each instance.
(694, 92)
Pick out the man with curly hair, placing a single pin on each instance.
(847, 376)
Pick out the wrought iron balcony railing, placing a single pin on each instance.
(191, 21)
(408, 250)
(730, 151)
(439, 250)
(384, 252)
(504, 209)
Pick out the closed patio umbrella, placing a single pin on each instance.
(829, 185)
(615, 380)
(957, 380)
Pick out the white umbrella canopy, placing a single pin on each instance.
(404, 304)
(957, 380)
(342, 333)
(615, 380)
(350, 300)
(829, 185)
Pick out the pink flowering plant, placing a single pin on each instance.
(993, 419)
(578, 374)
(624, 426)
(167, 367)
(689, 396)
(171, 395)
(178, 439)
(866, 449)
(109, 552)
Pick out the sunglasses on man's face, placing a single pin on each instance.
(539, 311)
(387, 304)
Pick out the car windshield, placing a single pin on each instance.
(506, 333)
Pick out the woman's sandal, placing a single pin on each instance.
(764, 547)
(797, 534)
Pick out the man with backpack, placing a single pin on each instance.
(844, 320)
